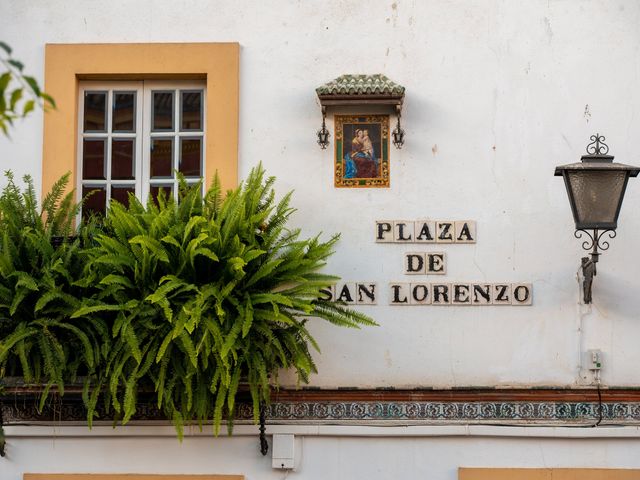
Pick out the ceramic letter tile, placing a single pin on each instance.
(441, 294)
(521, 293)
(465, 231)
(444, 231)
(366, 293)
(384, 231)
(460, 294)
(481, 293)
(420, 294)
(329, 293)
(501, 293)
(414, 263)
(403, 231)
(346, 292)
(436, 263)
(399, 294)
(424, 231)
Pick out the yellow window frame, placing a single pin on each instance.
(67, 64)
(548, 474)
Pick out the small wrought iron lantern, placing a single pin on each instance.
(323, 133)
(398, 133)
(596, 187)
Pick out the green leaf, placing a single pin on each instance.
(16, 63)
(86, 310)
(248, 319)
(6, 48)
(152, 245)
(29, 105)
(132, 341)
(33, 84)
(16, 95)
(5, 78)
(48, 99)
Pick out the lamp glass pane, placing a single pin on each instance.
(596, 194)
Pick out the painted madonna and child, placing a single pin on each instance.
(361, 161)
(361, 157)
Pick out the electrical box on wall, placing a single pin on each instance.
(594, 359)
(283, 451)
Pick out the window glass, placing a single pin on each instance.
(124, 112)
(154, 191)
(121, 193)
(191, 110)
(135, 135)
(95, 111)
(123, 159)
(162, 111)
(95, 203)
(161, 157)
(93, 154)
(191, 157)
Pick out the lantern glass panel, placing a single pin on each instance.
(597, 195)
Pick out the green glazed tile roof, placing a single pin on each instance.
(361, 85)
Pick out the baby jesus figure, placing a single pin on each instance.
(367, 145)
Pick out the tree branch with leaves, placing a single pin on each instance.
(20, 94)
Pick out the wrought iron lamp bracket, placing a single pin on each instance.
(595, 243)
(398, 132)
(323, 134)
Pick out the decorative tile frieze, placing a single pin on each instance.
(449, 412)
(511, 412)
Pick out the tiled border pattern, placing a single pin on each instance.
(449, 412)
(510, 412)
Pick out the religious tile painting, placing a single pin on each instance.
(362, 151)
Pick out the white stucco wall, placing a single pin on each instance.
(409, 455)
(498, 94)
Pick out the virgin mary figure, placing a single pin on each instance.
(361, 161)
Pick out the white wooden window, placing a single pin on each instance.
(134, 137)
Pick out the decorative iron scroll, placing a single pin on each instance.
(597, 145)
(595, 239)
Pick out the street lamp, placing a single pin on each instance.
(596, 187)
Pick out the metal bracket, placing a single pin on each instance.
(264, 445)
(588, 272)
(592, 243)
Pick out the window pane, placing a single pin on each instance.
(162, 111)
(191, 105)
(161, 158)
(121, 194)
(95, 111)
(122, 159)
(93, 153)
(167, 191)
(94, 204)
(124, 112)
(190, 156)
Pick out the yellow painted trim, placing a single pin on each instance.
(107, 476)
(547, 474)
(66, 64)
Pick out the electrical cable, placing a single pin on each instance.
(599, 399)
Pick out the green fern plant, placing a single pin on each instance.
(202, 295)
(38, 293)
